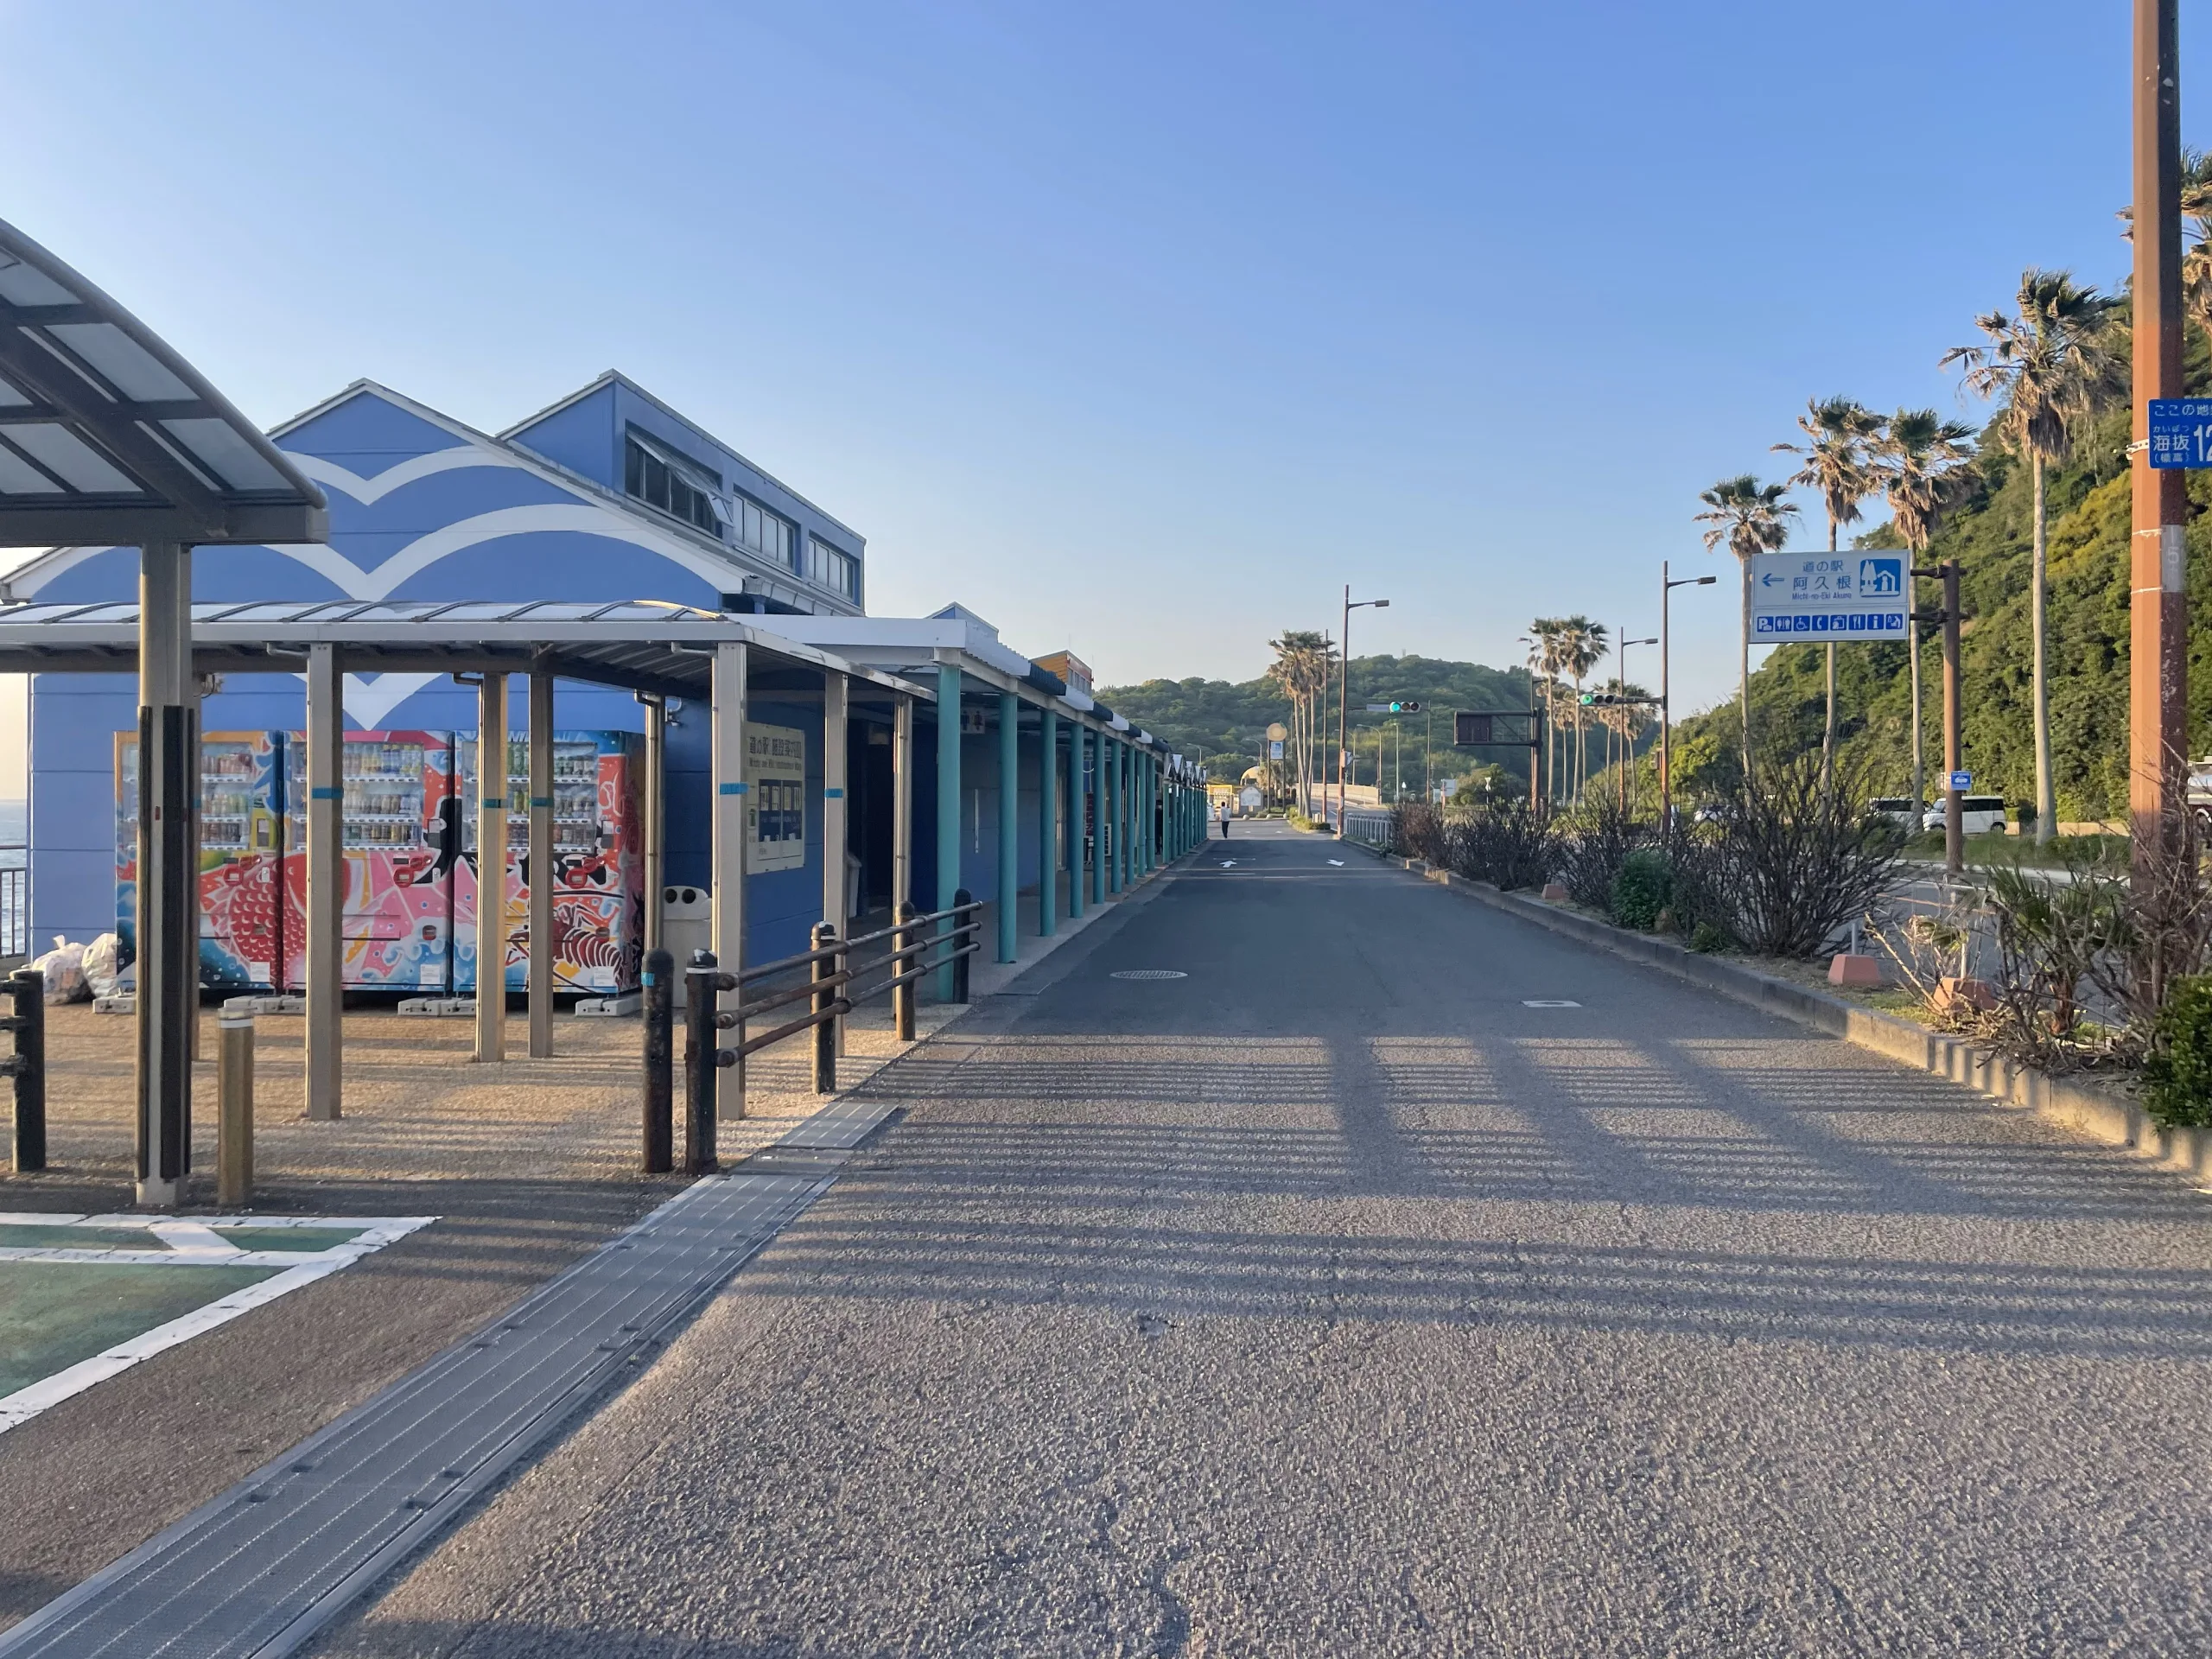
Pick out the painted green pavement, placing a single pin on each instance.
(56, 1314)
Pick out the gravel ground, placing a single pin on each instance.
(528, 1164)
(1333, 1300)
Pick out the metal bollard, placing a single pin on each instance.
(825, 1030)
(701, 1060)
(902, 996)
(658, 984)
(26, 990)
(960, 896)
(234, 1112)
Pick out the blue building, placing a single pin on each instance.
(608, 495)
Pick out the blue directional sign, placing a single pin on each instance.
(1962, 780)
(1807, 598)
(2181, 432)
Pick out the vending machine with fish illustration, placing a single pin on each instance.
(396, 813)
(242, 919)
(598, 866)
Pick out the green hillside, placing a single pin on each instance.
(2088, 645)
(1224, 724)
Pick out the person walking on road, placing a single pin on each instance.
(1223, 811)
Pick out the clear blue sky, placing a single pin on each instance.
(1138, 328)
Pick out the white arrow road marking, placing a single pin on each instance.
(1548, 1002)
(1338, 862)
(1227, 863)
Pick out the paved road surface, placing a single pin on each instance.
(1332, 1300)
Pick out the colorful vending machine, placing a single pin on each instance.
(599, 896)
(242, 916)
(397, 811)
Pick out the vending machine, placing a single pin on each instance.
(598, 867)
(397, 811)
(243, 922)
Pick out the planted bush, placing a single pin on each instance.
(2177, 1073)
(1643, 889)
(1508, 844)
(1594, 841)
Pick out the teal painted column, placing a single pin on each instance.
(1074, 831)
(1009, 826)
(1125, 821)
(1144, 812)
(1048, 826)
(1109, 763)
(1094, 785)
(948, 802)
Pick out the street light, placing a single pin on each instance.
(1344, 678)
(1628, 747)
(1667, 583)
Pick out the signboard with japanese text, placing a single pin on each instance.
(775, 812)
(2181, 432)
(1809, 598)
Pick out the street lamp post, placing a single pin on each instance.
(1667, 583)
(1628, 743)
(1344, 682)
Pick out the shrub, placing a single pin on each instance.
(1706, 939)
(1643, 889)
(2177, 1074)
(1509, 845)
(1418, 830)
(1594, 841)
(1785, 859)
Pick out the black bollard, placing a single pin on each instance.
(27, 990)
(960, 942)
(825, 997)
(657, 984)
(700, 1064)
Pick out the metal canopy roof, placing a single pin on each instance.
(645, 645)
(109, 437)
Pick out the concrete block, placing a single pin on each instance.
(1847, 969)
(1555, 892)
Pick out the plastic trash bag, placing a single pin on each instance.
(64, 968)
(100, 964)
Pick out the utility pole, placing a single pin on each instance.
(2158, 617)
(1627, 766)
(1955, 852)
(1343, 684)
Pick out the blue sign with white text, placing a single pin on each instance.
(1804, 597)
(2181, 432)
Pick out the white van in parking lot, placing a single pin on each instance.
(1979, 815)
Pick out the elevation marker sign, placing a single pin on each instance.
(1804, 598)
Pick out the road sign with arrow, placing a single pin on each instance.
(1810, 598)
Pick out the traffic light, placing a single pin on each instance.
(1405, 708)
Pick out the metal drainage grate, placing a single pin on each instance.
(260, 1570)
(1147, 973)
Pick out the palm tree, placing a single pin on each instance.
(1582, 645)
(2055, 366)
(1749, 518)
(1300, 672)
(1838, 431)
(1549, 632)
(1926, 468)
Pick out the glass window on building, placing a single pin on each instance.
(828, 568)
(660, 478)
(764, 532)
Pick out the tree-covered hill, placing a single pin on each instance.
(1224, 724)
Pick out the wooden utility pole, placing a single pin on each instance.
(2158, 625)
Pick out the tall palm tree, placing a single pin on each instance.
(1926, 465)
(1838, 432)
(1548, 632)
(1303, 661)
(2055, 365)
(1582, 645)
(1749, 518)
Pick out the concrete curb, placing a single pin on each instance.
(2088, 1113)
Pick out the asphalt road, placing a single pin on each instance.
(1333, 1299)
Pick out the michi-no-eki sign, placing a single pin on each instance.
(2180, 432)
(1806, 597)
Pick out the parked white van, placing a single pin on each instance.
(1899, 809)
(1979, 815)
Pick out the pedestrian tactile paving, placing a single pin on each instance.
(840, 1126)
(260, 1570)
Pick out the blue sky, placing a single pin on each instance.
(1139, 329)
